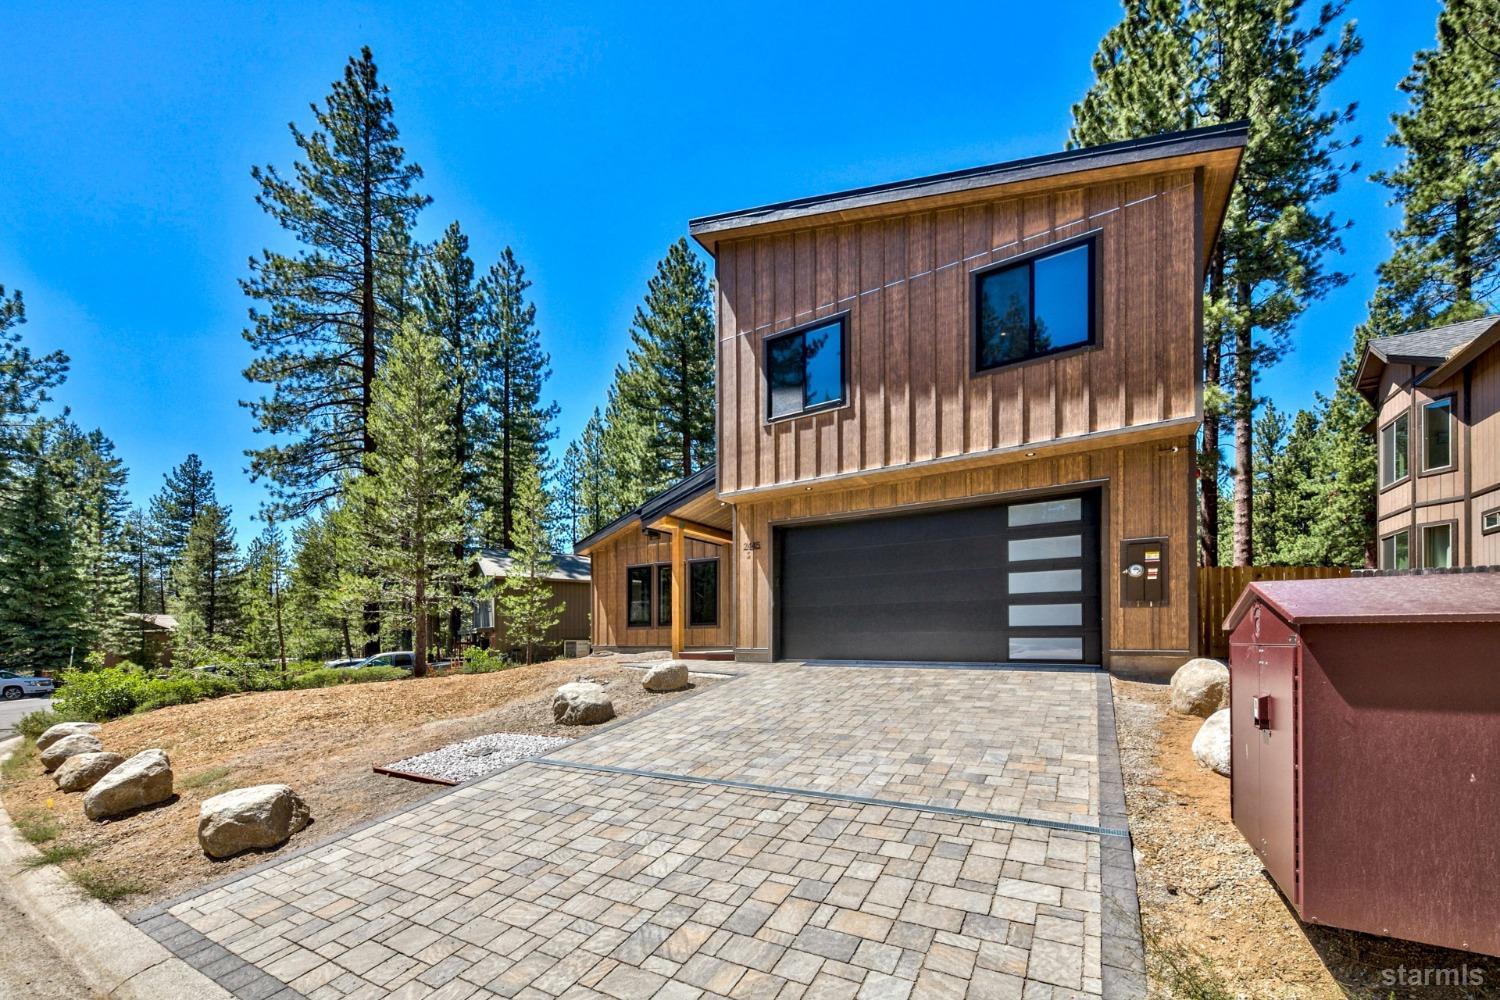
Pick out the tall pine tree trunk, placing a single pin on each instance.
(507, 465)
(1208, 455)
(1244, 415)
(367, 317)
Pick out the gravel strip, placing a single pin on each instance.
(477, 757)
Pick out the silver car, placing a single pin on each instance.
(14, 685)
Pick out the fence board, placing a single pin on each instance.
(1220, 586)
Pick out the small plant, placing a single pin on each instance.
(18, 764)
(484, 661)
(56, 854)
(205, 779)
(37, 825)
(1182, 971)
(105, 886)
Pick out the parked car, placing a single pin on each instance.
(341, 664)
(14, 685)
(404, 660)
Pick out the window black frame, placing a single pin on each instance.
(1029, 261)
(1447, 403)
(663, 596)
(718, 593)
(842, 319)
(650, 570)
(1380, 452)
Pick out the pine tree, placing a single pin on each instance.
(323, 315)
(631, 470)
(42, 602)
(184, 493)
(672, 367)
(264, 582)
(92, 480)
(594, 487)
(1271, 63)
(526, 606)
(25, 379)
(207, 584)
(568, 514)
(323, 616)
(1445, 266)
(516, 369)
(407, 512)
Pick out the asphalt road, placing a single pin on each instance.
(11, 712)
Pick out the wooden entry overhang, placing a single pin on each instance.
(682, 529)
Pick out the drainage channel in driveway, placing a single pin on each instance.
(585, 875)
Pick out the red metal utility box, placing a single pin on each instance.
(1365, 721)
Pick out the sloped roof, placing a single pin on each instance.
(1444, 597)
(166, 623)
(674, 496)
(1443, 348)
(495, 563)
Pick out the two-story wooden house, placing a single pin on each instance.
(956, 422)
(1436, 395)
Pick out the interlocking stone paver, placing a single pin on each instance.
(558, 880)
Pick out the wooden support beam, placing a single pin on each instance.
(693, 529)
(679, 588)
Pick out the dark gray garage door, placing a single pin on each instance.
(1018, 582)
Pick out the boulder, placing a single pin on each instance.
(582, 703)
(671, 675)
(249, 819)
(1211, 746)
(81, 771)
(141, 781)
(69, 746)
(1199, 687)
(57, 732)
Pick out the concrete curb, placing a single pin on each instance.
(119, 960)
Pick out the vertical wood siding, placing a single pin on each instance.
(610, 560)
(905, 284)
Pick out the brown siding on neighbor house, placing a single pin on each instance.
(905, 284)
(574, 623)
(1148, 490)
(610, 559)
(1459, 495)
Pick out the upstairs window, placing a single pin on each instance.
(1437, 546)
(1394, 451)
(805, 369)
(1437, 434)
(1038, 306)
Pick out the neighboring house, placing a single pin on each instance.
(1436, 395)
(156, 632)
(956, 421)
(568, 582)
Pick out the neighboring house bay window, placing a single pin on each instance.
(1031, 308)
(1437, 434)
(805, 369)
(1437, 546)
(1394, 450)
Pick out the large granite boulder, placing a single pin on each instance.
(1199, 687)
(669, 675)
(57, 732)
(143, 780)
(1211, 746)
(82, 771)
(250, 819)
(582, 703)
(69, 746)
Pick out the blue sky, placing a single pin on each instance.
(585, 136)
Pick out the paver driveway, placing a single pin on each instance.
(803, 831)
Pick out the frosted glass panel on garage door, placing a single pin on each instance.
(1046, 614)
(1046, 581)
(1045, 512)
(1041, 647)
(1056, 547)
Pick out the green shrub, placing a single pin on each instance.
(36, 723)
(37, 825)
(104, 885)
(484, 661)
(333, 677)
(100, 695)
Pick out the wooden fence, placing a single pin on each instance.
(1220, 586)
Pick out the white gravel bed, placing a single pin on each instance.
(477, 757)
